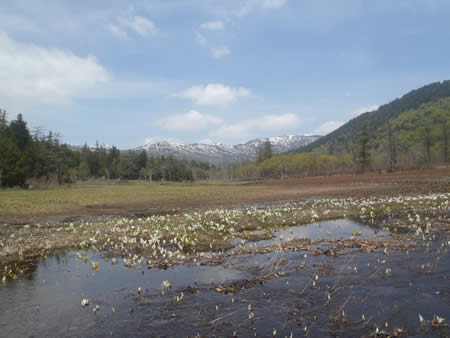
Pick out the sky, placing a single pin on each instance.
(132, 72)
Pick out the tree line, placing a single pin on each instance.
(415, 139)
(28, 157)
(288, 165)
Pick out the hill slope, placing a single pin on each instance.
(342, 139)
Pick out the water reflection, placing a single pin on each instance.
(49, 296)
(336, 229)
(46, 301)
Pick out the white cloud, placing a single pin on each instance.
(140, 25)
(245, 9)
(214, 93)
(192, 120)
(133, 23)
(328, 127)
(216, 52)
(359, 111)
(220, 52)
(273, 3)
(213, 26)
(240, 132)
(200, 39)
(31, 75)
(245, 130)
(251, 5)
(279, 122)
(118, 32)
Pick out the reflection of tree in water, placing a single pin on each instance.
(26, 269)
(26, 285)
(376, 227)
(22, 269)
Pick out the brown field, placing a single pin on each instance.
(101, 198)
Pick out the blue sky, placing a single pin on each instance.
(128, 72)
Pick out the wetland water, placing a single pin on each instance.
(305, 294)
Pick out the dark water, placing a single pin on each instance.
(336, 229)
(47, 301)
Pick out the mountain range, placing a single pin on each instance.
(221, 154)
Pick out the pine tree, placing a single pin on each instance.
(19, 133)
(264, 152)
(427, 141)
(141, 160)
(267, 150)
(10, 158)
(363, 155)
(392, 149)
(3, 120)
(444, 141)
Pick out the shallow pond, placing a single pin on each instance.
(390, 290)
(336, 229)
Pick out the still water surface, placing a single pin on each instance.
(47, 301)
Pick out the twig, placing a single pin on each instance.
(345, 303)
(224, 316)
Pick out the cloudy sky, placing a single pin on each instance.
(126, 72)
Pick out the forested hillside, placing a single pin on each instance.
(416, 137)
(343, 139)
(409, 132)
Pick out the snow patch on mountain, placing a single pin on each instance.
(220, 154)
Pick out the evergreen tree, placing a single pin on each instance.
(363, 154)
(264, 152)
(141, 160)
(267, 150)
(19, 133)
(3, 120)
(10, 174)
(427, 142)
(392, 148)
(444, 141)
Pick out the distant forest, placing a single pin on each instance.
(29, 158)
(410, 132)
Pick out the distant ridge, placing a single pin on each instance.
(220, 154)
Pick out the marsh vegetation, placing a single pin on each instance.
(338, 265)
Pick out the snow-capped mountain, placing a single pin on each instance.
(220, 154)
(280, 144)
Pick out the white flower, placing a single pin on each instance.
(166, 284)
